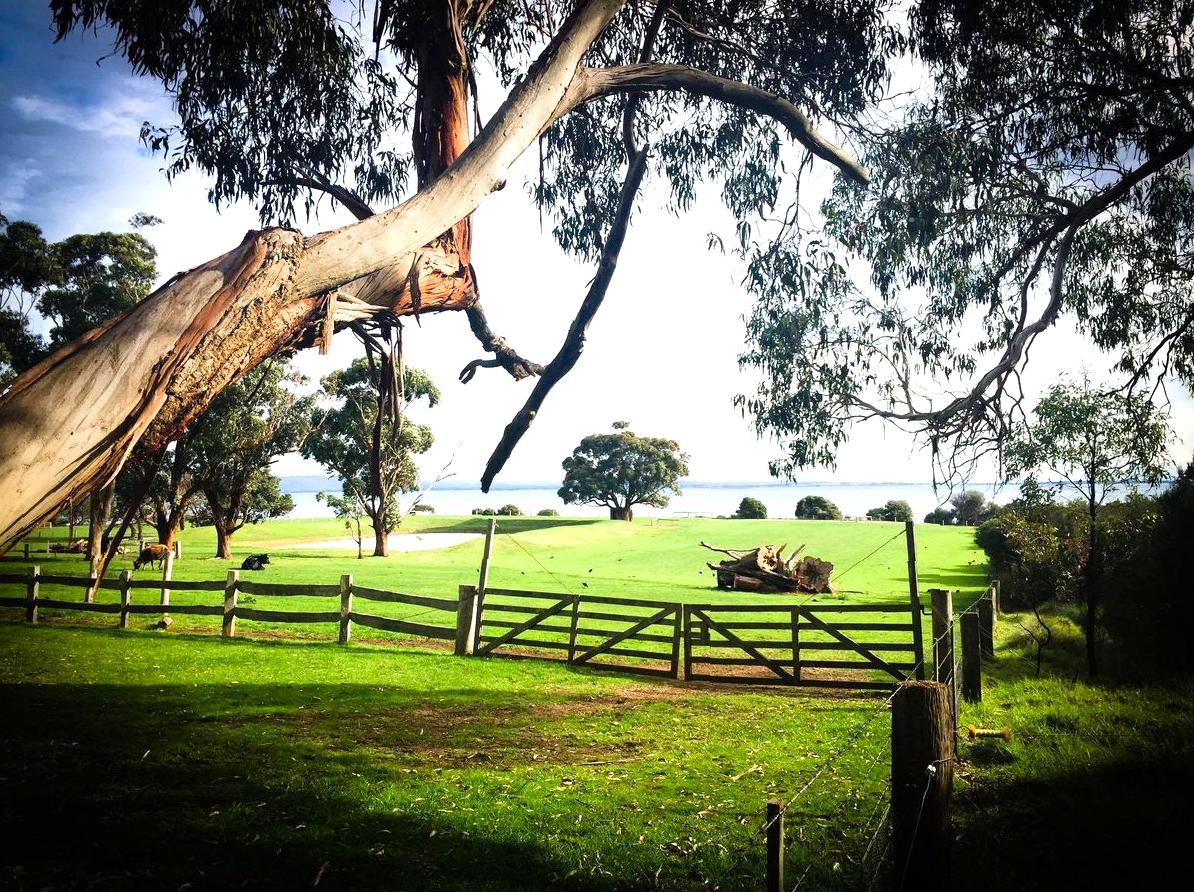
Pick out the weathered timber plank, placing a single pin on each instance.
(183, 609)
(866, 652)
(284, 589)
(622, 636)
(750, 649)
(386, 624)
(287, 616)
(528, 642)
(373, 594)
(78, 605)
(556, 608)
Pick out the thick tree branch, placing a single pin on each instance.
(593, 83)
(574, 342)
(1066, 226)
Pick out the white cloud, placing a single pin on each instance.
(15, 177)
(118, 115)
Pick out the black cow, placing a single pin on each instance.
(255, 562)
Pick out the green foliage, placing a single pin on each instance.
(549, 512)
(941, 516)
(423, 508)
(997, 180)
(970, 508)
(893, 509)
(1090, 441)
(342, 436)
(102, 275)
(621, 470)
(75, 284)
(817, 508)
(509, 511)
(232, 445)
(751, 509)
(484, 512)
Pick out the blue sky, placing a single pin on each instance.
(662, 354)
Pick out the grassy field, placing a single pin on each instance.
(662, 560)
(138, 760)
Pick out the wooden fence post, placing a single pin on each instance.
(26, 551)
(922, 753)
(796, 643)
(31, 590)
(572, 631)
(177, 548)
(345, 608)
(167, 572)
(914, 599)
(228, 630)
(943, 639)
(986, 626)
(466, 598)
(126, 579)
(775, 846)
(483, 578)
(972, 664)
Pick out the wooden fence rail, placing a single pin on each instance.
(809, 645)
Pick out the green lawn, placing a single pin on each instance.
(140, 760)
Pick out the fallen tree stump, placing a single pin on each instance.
(764, 569)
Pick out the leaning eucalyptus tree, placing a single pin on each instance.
(1040, 171)
(284, 102)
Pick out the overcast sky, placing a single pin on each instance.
(661, 354)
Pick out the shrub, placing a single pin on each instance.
(549, 512)
(509, 511)
(751, 509)
(484, 512)
(422, 509)
(941, 516)
(817, 508)
(895, 509)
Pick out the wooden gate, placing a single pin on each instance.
(620, 634)
(801, 645)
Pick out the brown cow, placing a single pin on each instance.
(151, 554)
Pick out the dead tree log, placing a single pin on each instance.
(765, 569)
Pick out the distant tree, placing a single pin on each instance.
(350, 511)
(27, 267)
(509, 511)
(750, 508)
(968, 507)
(1089, 442)
(422, 508)
(234, 442)
(621, 470)
(549, 512)
(894, 509)
(942, 516)
(817, 508)
(484, 512)
(372, 455)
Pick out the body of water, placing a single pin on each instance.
(696, 498)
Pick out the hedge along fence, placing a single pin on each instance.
(230, 610)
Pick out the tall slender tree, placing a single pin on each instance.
(373, 456)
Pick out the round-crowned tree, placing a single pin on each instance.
(817, 508)
(751, 508)
(621, 470)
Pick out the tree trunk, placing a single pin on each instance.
(68, 424)
(100, 513)
(619, 512)
(223, 542)
(1090, 582)
(381, 537)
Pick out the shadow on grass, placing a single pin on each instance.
(1122, 824)
(269, 786)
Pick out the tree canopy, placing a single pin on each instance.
(621, 470)
(892, 509)
(817, 508)
(1005, 195)
(374, 458)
